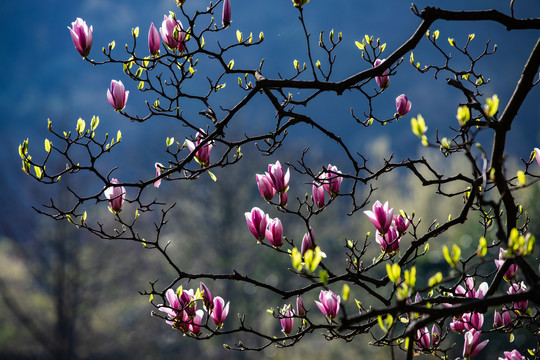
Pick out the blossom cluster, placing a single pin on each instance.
(182, 313)
(390, 227)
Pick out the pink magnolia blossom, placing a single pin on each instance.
(388, 242)
(401, 223)
(168, 28)
(202, 156)
(308, 241)
(501, 320)
(300, 307)
(512, 355)
(384, 80)
(226, 13)
(256, 221)
(274, 232)
(266, 186)
(470, 291)
(117, 95)
(510, 274)
(173, 308)
(423, 338)
(518, 288)
(279, 178)
(403, 105)
(158, 167)
(188, 303)
(153, 40)
(537, 155)
(287, 321)
(331, 180)
(283, 198)
(381, 216)
(220, 312)
(467, 321)
(81, 35)
(318, 194)
(472, 345)
(208, 299)
(116, 196)
(329, 303)
(195, 324)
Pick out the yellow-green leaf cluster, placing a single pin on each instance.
(492, 105)
(463, 114)
(453, 258)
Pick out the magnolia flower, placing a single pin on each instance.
(220, 312)
(318, 194)
(81, 36)
(116, 196)
(403, 105)
(187, 302)
(383, 80)
(266, 186)
(279, 178)
(202, 156)
(501, 320)
(153, 40)
(470, 292)
(172, 33)
(512, 355)
(195, 324)
(423, 338)
(256, 222)
(226, 13)
(381, 216)
(287, 321)
(512, 269)
(274, 232)
(158, 167)
(329, 303)
(331, 180)
(208, 299)
(388, 242)
(173, 307)
(537, 155)
(472, 344)
(308, 242)
(518, 288)
(283, 198)
(401, 223)
(300, 307)
(117, 95)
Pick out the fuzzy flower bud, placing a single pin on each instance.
(403, 105)
(153, 40)
(117, 95)
(116, 196)
(81, 36)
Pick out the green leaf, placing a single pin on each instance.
(118, 136)
(81, 124)
(135, 32)
(38, 172)
(48, 145)
(94, 123)
(482, 247)
(323, 276)
(360, 45)
(238, 36)
(345, 292)
(212, 175)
